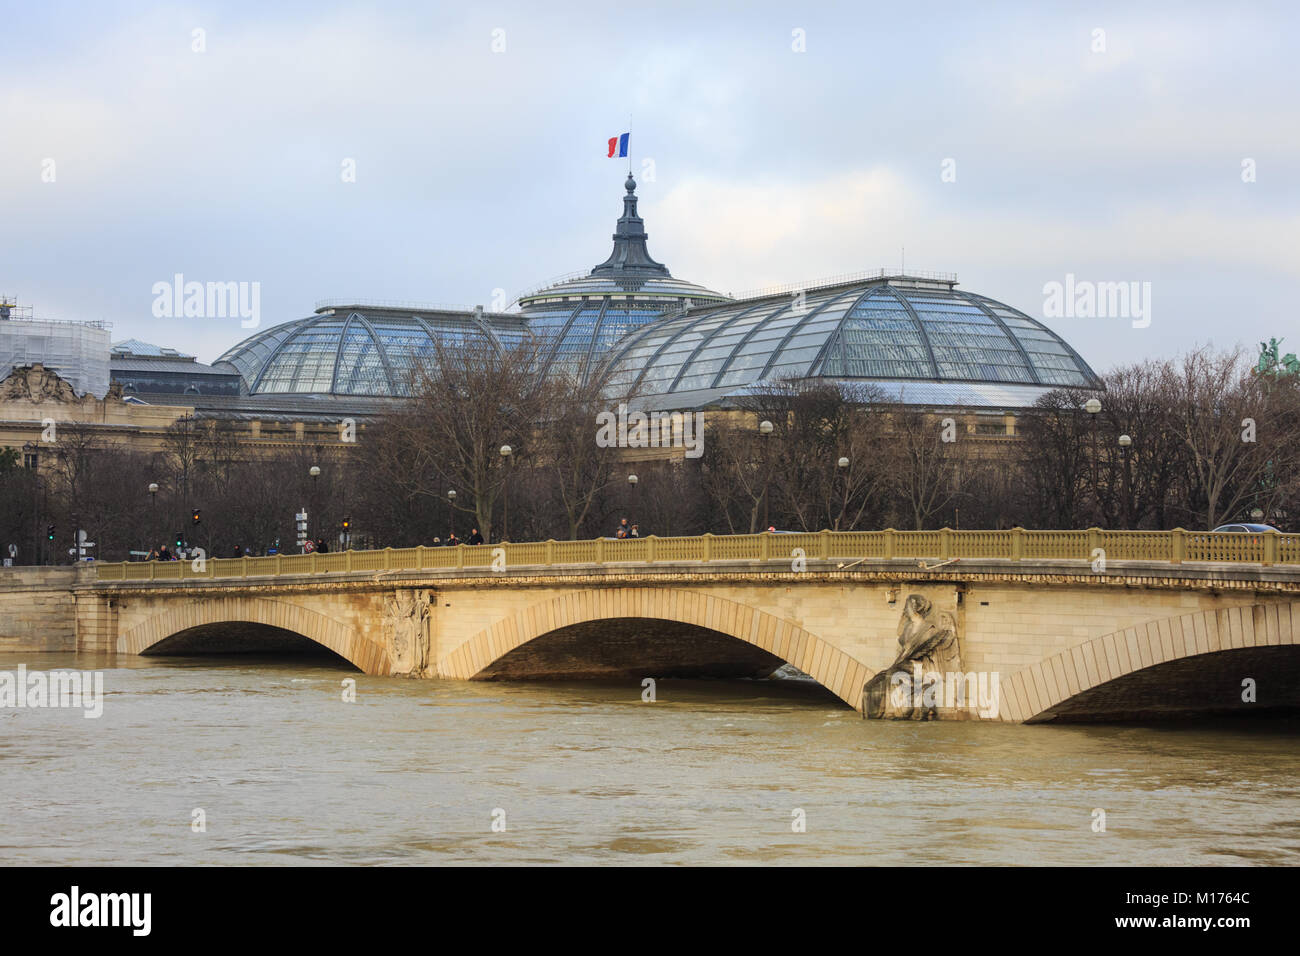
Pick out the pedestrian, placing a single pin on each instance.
(164, 554)
(153, 555)
(452, 540)
(475, 537)
(437, 542)
(623, 530)
(320, 546)
(634, 533)
(237, 552)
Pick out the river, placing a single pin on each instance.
(285, 771)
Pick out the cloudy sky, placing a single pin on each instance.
(1106, 141)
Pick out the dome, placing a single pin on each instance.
(583, 315)
(357, 349)
(913, 335)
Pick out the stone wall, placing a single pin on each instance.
(37, 609)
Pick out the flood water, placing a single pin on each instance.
(418, 772)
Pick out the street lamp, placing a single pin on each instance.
(1124, 442)
(451, 515)
(1092, 406)
(764, 431)
(843, 466)
(31, 461)
(1257, 514)
(153, 513)
(314, 471)
(506, 452)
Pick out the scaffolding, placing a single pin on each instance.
(77, 351)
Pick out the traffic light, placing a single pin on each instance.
(179, 538)
(194, 516)
(347, 524)
(49, 532)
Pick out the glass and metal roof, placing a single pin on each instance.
(359, 349)
(581, 316)
(896, 329)
(683, 346)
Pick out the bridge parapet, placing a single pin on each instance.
(1174, 547)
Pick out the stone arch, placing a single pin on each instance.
(1035, 693)
(366, 655)
(835, 670)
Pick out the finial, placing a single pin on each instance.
(630, 184)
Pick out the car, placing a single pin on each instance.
(1245, 528)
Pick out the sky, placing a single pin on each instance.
(774, 143)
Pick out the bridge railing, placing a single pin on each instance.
(1092, 545)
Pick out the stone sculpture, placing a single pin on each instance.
(925, 647)
(406, 627)
(37, 384)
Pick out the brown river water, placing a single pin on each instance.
(711, 772)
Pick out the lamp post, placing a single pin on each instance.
(506, 452)
(1257, 514)
(314, 471)
(32, 462)
(843, 466)
(1092, 406)
(153, 514)
(188, 444)
(765, 432)
(451, 515)
(1124, 442)
(631, 482)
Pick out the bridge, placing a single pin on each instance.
(1067, 625)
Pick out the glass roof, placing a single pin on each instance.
(894, 329)
(897, 330)
(362, 351)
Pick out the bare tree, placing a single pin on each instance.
(469, 399)
(1219, 411)
(1054, 460)
(924, 469)
(577, 468)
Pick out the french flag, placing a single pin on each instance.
(618, 145)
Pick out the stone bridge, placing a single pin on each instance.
(1075, 625)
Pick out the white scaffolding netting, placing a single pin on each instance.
(78, 351)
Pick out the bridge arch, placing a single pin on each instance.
(1226, 644)
(367, 656)
(840, 673)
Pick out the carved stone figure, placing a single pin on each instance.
(37, 384)
(406, 626)
(926, 650)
